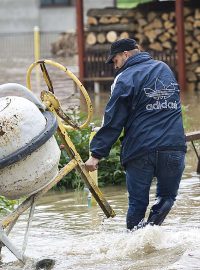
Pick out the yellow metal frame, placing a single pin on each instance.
(52, 104)
(73, 77)
(51, 101)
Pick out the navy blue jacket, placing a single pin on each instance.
(145, 102)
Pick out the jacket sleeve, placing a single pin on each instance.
(115, 117)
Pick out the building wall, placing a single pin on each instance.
(62, 19)
(18, 16)
(23, 15)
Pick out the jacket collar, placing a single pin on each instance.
(133, 60)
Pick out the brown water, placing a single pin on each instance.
(77, 237)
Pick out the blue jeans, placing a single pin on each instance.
(167, 166)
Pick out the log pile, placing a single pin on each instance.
(65, 45)
(108, 25)
(192, 48)
(154, 30)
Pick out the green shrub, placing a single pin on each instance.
(6, 205)
(110, 170)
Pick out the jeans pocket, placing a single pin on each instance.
(175, 162)
(140, 163)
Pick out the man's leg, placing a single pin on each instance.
(169, 170)
(139, 174)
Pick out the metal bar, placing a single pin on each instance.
(27, 203)
(180, 44)
(71, 151)
(46, 77)
(80, 37)
(6, 241)
(193, 136)
(36, 43)
(198, 166)
(195, 150)
(28, 226)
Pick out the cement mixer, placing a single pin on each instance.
(28, 150)
(29, 153)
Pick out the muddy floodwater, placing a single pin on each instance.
(77, 236)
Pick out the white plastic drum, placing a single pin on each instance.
(20, 122)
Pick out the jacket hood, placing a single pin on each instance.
(133, 60)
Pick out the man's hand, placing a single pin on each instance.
(92, 164)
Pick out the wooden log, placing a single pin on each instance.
(140, 37)
(168, 24)
(198, 38)
(111, 36)
(165, 16)
(190, 86)
(91, 38)
(124, 20)
(196, 32)
(151, 16)
(191, 77)
(104, 20)
(142, 22)
(189, 19)
(153, 34)
(188, 39)
(164, 37)
(187, 11)
(99, 12)
(174, 39)
(195, 57)
(124, 35)
(198, 51)
(172, 31)
(190, 50)
(155, 24)
(156, 46)
(172, 16)
(99, 47)
(189, 26)
(195, 44)
(197, 70)
(167, 45)
(197, 14)
(92, 21)
(192, 66)
(101, 38)
(114, 19)
(138, 15)
(115, 27)
(197, 23)
(187, 58)
(109, 20)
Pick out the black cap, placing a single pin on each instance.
(120, 46)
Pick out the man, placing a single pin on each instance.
(145, 103)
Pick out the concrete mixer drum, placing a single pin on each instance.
(29, 154)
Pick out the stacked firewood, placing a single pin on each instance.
(192, 48)
(108, 25)
(154, 30)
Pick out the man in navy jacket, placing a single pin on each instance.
(145, 105)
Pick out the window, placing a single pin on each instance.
(46, 3)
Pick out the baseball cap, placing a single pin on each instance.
(121, 45)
